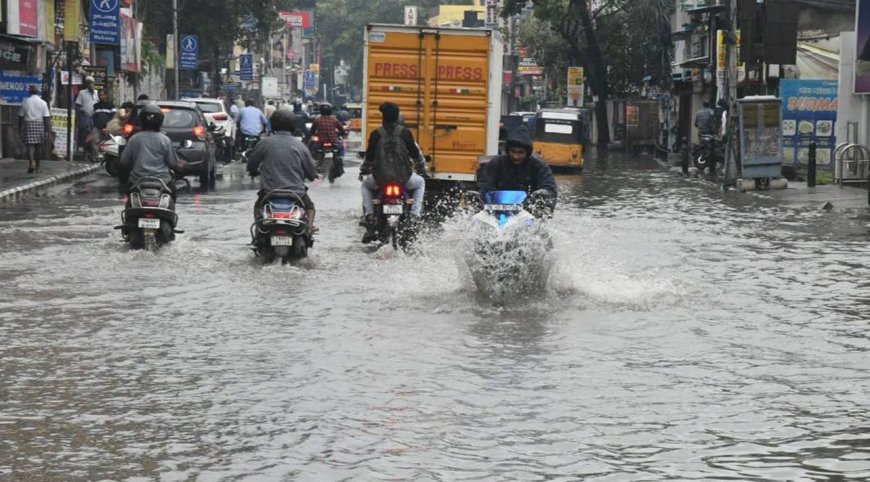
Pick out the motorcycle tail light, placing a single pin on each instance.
(128, 129)
(393, 190)
(199, 132)
(315, 138)
(327, 145)
(150, 216)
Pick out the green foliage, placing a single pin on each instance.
(824, 178)
(341, 23)
(632, 35)
(151, 56)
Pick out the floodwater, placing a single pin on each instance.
(683, 333)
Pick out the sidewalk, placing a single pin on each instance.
(15, 183)
(798, 196)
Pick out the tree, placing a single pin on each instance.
(340, 26)
(601, 39)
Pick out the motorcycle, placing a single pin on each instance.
(393, 216)
(248, 143)
(509, 252)
(281, 229)
(707, 154)
(327, 158)
(149, 220)
(224, 144)
(110, 154)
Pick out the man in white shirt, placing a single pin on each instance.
(85, 116)
(34, 124)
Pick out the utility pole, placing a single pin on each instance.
(731, 82)
(175, 41)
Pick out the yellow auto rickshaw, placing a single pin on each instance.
(355, 121)
(559, 137)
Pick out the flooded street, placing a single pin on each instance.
(684, 333)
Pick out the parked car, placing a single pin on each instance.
(187, 128)
(215, 111)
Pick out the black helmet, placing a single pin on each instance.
(325, 109)
(282, 120)
(151, 117)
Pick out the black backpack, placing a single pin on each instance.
(392, 164)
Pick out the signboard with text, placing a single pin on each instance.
(809, 114)
(246, 67)
(189, 52)
(106, 22)
(575, 86)
(298, 19)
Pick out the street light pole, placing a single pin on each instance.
(731, 79)
(175, 41)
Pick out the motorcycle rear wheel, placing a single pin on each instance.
(149, 242)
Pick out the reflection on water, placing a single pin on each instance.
(683, 333)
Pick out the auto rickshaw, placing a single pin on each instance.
(355, 121)
(560, 136)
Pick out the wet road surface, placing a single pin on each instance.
(684, 333)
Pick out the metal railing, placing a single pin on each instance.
(857, 163)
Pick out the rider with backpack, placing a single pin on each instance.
(391, 149)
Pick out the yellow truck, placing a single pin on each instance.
(447, 83)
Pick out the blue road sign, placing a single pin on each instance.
(310, 80)
(246, 67)
(189, 52)
(105, 22)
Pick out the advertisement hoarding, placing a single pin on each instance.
(809, 114)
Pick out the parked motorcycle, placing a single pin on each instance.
(327, 158)
(707, 154)
(149, 220)
(508, 256)
(281, 229)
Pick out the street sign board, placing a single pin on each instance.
(246, 67)
(410, 15)
(575, 86)
(270, 87)
(106, 22)
(310, 80)
(189, 52)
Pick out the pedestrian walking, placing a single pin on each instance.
(34, 126)
(85, 102)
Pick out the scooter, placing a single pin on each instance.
(110, 153)
(149, 219)
(281, 229)
(508, 255)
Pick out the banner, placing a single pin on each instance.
(299, 19)
(59, 121)
(410, 15)
(105, 22)
(809, 114)
(21, 17)
(72, 20)
(131, 43)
